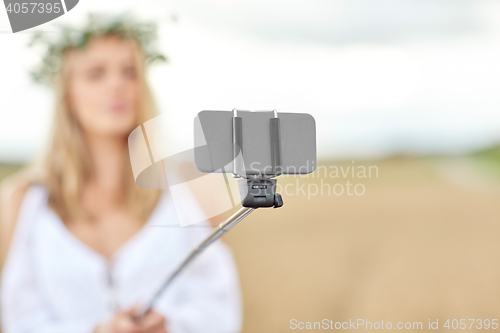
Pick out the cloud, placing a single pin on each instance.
(336, 22)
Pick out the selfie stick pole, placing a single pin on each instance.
(216, 234)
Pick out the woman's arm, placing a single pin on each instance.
(12, 191)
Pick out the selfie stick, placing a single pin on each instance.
(216, 234)
(256, 191)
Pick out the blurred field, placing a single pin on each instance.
(421, 243)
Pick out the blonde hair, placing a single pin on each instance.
(65, 167)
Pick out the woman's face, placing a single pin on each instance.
(103, 87)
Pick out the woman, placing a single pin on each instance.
(80, 251)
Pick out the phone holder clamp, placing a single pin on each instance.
(258, 190)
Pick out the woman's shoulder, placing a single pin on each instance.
(12, 192)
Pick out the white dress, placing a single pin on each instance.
(54, 283)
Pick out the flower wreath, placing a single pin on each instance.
(122, 25)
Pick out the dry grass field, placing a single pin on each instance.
(421, 243)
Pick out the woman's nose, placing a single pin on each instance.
(116, 81)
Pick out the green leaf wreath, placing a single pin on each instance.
(70, 37)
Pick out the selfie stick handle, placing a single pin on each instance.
(216, 234)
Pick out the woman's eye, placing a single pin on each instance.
(95, 73)
(130, 72)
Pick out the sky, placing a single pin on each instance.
(380, 77)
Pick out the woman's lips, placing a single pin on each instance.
(118, 107)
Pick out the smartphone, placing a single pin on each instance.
(265, 143)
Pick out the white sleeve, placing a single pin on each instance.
(23, 307)
(206, 296)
